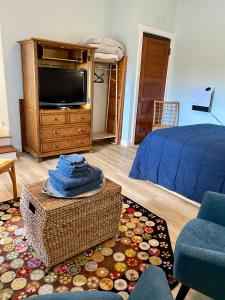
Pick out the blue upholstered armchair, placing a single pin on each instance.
(152, 285)
(200, 250)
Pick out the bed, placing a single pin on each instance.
(187, 159)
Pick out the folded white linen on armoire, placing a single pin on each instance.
(110, 58)
(105, 45)
(108, 49)
(93, 39)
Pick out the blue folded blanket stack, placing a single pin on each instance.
(75, 176)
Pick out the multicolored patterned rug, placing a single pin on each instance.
(114, 265)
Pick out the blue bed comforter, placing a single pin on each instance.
(188, 159)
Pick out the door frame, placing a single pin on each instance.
(146, 29)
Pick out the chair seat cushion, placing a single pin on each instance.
(203, 234)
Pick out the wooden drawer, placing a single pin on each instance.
(54, 132)
(65, 144)
(79, 117)
(53, 119)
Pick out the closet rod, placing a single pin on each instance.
(105, 69)
(113, 80)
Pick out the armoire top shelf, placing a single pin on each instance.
(62, 45)
(59, 51)
(62, 59)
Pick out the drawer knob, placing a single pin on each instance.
(55, 119)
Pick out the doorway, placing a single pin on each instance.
(153, 74)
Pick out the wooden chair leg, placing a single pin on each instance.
(182, 293)
(12, 174)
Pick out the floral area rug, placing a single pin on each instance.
(115, 265)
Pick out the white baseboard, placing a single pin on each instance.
(6, 128)
(126, 143)
(5, 141)
(18, 148)
(9, 155)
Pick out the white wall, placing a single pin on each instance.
(199, 57)
(4, 120)
(67, 20)
(127, 15)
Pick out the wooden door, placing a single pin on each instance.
(154, 63)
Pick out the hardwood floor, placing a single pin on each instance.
(115, 161)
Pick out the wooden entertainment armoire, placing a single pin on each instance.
(49, 132)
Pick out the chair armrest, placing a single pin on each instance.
(152, 285)
(200, 269)
(213, 208)
(205, 256)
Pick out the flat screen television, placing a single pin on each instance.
(62, 87)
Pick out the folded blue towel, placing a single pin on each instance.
(78, 190)
(72, 165)
(72, 159)
(72, 173)
(67, 183)
(72, 170)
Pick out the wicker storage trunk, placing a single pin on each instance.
(58, 229)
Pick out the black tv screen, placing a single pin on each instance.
(62, 87)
